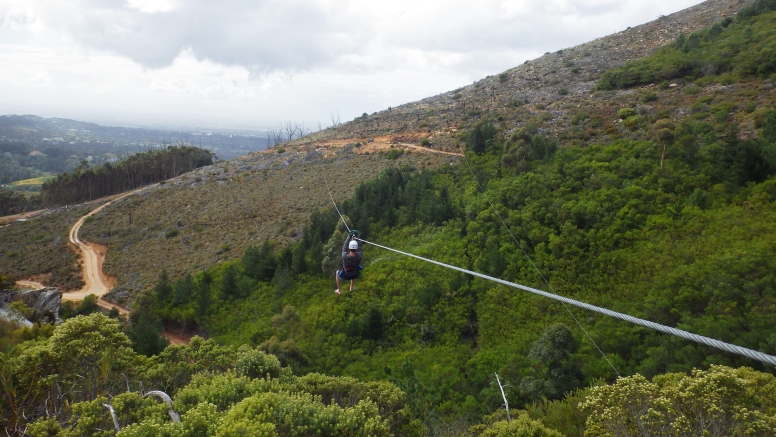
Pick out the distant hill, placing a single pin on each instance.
(40, 133)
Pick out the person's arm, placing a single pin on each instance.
(345, 247)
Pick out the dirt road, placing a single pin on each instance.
(32, 285)
(12, 218)
(96, 281)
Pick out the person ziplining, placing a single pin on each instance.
(351, 262)
(352, 254)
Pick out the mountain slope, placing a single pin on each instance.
(547, 92)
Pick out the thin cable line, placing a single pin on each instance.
(740, 350)
(749, 353)
(537, 268)
(323, 168)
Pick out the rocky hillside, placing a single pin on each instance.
(547, 92)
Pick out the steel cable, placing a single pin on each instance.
(749, 353)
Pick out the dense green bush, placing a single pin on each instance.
(482, 137)
(743, 48)
(217, 390)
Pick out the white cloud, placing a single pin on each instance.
(268, 60)
(153, 6)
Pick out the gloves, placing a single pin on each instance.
(354, 233)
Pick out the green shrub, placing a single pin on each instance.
(281, 150)
(731, 49)
(171, 233)
(580, 117)
(482, 137)
(563, 92)
(394, 153)
(625, 113)
(425, 142)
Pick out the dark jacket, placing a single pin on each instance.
(351, 262)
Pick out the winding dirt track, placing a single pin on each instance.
(33, 285)
(96, 281)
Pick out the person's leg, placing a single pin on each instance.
(352, 285)
(339, 282)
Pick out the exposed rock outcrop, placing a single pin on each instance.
(45, 303)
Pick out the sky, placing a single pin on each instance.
(251, 64)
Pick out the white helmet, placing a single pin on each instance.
(353, 245)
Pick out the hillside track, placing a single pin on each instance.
(5, 220)
(32, 285)
(377, 144)
(95, 280)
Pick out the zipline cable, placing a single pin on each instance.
(325, 179)
(740, 350)
(749, 353)
(536, 268)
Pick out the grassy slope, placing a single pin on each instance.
(235, 204)
(40, 246)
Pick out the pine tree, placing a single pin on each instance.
(203, 295)
(163, 289)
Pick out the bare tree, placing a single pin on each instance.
(302, 130)
(290, 130)
(335, 119)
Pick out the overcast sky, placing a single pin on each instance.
(254, 63)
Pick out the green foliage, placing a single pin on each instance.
(145, 327)
(482, 137)
(729, 401)
(625, 113)
(87, 183)
(768, 133)
(6, 281)
(394, 153)
(558, 372)
(526, 146)
(759, 7)
(743, 48)
(260, 264)
(217, 390)
(686, 245)
(398, 198)
(71, 309)
(521, 426)
(14, 202)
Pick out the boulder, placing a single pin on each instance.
(45, 302)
